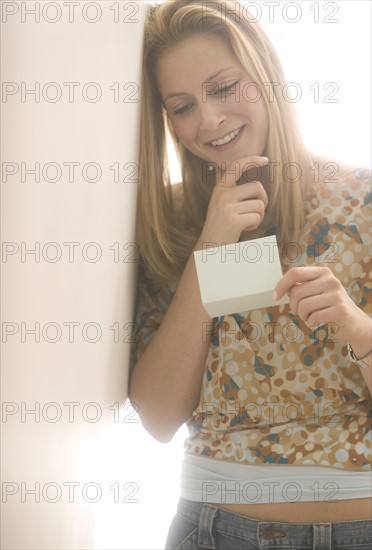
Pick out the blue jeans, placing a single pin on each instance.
(198, 526)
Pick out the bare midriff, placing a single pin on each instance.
(305, 512)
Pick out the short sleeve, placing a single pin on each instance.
(355, 242)
(152, 302)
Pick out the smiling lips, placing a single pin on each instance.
(226, 139)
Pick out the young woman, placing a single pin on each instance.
(278, 400)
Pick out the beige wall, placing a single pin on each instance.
(70, 293)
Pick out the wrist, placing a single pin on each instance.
(360, 346)
(361, 341)
(363, 361)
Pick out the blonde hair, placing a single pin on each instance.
(165, 239)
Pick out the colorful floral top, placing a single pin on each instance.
(273, 390)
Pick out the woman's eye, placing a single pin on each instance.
(224, 89)
(183, 110)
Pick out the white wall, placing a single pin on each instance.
(59, 372)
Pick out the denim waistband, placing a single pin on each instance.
(273, 534)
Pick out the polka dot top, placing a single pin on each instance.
(273, 390)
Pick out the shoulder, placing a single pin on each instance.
(334, 178)
(334, 170)
(339, 191)
(331, 169)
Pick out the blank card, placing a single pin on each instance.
(240, 276)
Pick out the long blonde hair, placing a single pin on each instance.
(165, 239)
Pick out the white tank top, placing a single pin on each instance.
(215, 481)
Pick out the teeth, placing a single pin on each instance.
(226, 139)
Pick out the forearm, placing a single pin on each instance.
(166, 380)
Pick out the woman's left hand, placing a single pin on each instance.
(317, 297)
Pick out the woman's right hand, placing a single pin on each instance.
(234, 208)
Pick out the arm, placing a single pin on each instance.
(165, 383)
(166, 380)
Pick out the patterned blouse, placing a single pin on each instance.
(274, 390)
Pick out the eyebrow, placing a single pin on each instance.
(211, 77)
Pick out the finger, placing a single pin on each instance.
(297, 275)
(249, 206)
(302, 291)
(232, 172)
(251, 221)
(309, 306)
(252, 190)
(325, 316)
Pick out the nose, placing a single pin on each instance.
(212, 115)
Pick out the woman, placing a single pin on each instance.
(279, 444)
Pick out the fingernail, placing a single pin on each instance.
(275, 295)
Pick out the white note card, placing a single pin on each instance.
(239, 277)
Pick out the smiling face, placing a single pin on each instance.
(211, 100)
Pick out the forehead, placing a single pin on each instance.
(193, 60)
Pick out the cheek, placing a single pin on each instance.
(250, 103)
(185, 131)
(259, 115)
(250, 94)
